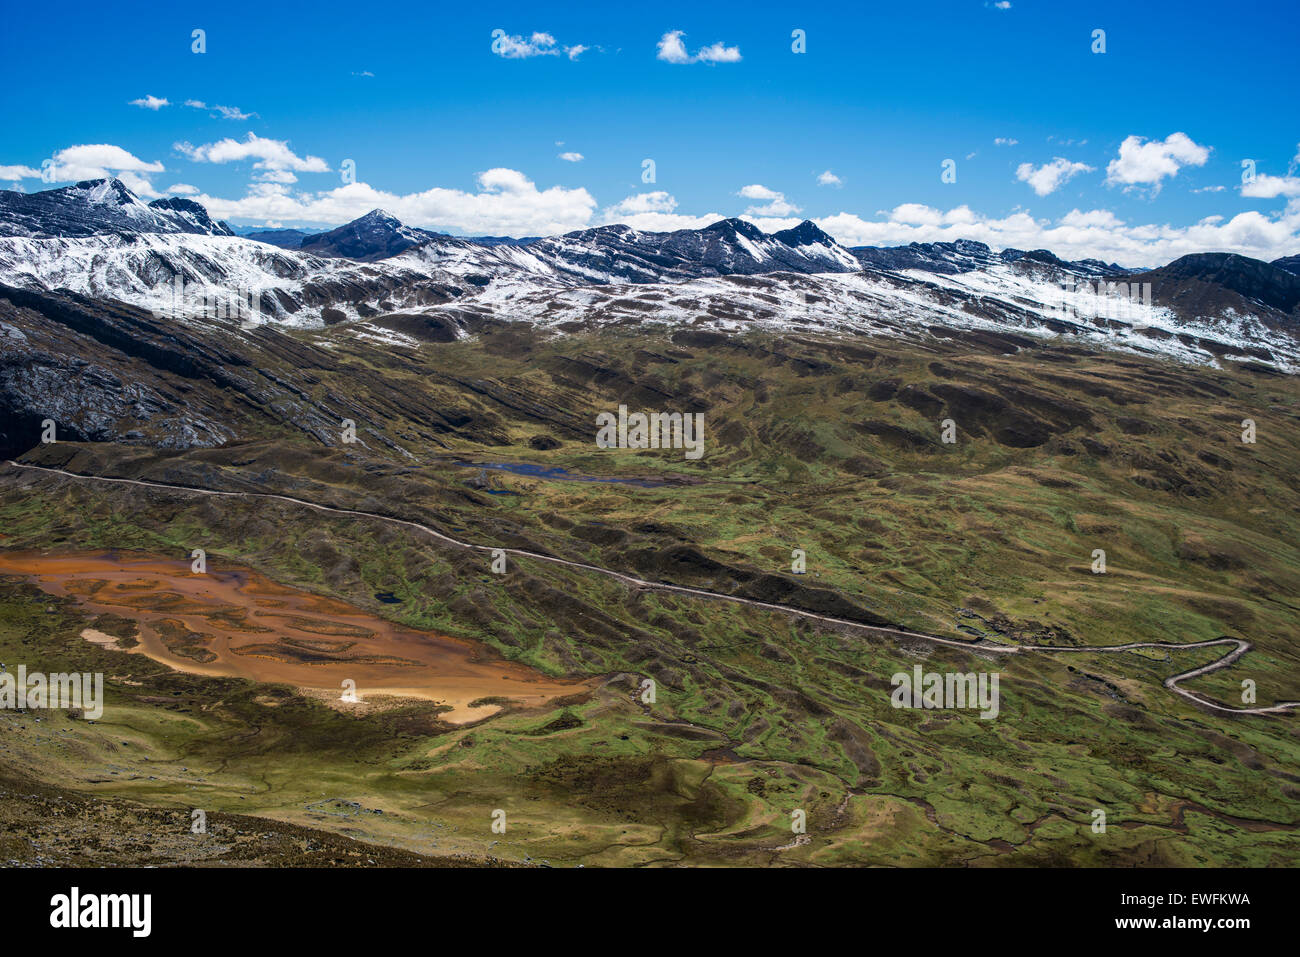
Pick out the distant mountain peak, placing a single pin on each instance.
(378, 215)
(806, 233)
(376, 235)
(738, 226)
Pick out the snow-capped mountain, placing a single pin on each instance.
(726, 248)
(97, 207)
(96, 239)
(966, 255)
(205, 276)
(1007, 306)
(376, 235)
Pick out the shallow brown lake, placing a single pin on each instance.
(235, 622)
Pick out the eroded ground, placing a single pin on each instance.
(233, 622)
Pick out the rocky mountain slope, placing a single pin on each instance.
(1226, 285)
(967, 255)
(376, 235)
(97, 207)
(402, 284)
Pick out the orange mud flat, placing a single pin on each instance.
(235, 622)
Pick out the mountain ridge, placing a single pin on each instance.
(100, 206)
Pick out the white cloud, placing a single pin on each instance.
(654, 212)
(18, 172)
(539, 44)
(777, 204)
(718, 53)
(517, 48)
(1001, 5)
(151, 102)
(658, 201)
(1005, 141)
(102, 160)
(571, 157)
(233, 113)
(829, 179)
(225, 112)
(275, 176)
(671, 49)
(270, 154)
(1270, 187)
(183, 189)
(1079, 234)
(1050, 176)
(1143, 163)
(506, 203)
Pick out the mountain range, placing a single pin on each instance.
(97, 239)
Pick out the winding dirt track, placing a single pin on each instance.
(1239, 646)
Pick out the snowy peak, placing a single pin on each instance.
(376, 235)
(109, 192)
(968, 255)
(806, 233)
(612, 254)
(734, 228)
(188, 211)
(97, 207)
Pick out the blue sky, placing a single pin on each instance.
(1132, 154)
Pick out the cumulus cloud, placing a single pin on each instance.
(1005, 141)
(1146, 163)
(658, 201)
(99, 161)
(829, 179)
(506, 203)
(275, 176)
(1271, 187)
(269, 154)
(654, 212)
(183, 189)
(151, 102)
(18, 172)
(539, 44)
(1051, 176)
(777, 204)
(672, 49)
(571, 157)
(1079, 234)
